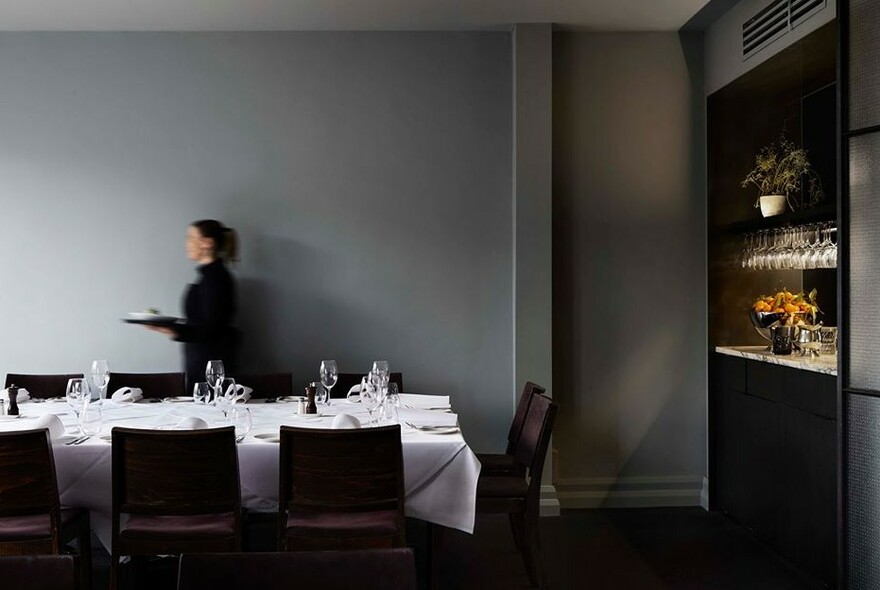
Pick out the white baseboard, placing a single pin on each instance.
(632, 492)
(549, 505)
(704, 494)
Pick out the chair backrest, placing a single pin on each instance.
(153, 385)
(39, 572)
(42, 386)
(519, 417)
(267, 385)
(531, 449)
(175, 472)
(27, 478)
(345, 381)
(325, 470)
(376, 569)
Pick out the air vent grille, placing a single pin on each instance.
(774, 21)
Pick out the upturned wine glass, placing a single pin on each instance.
(329, 375)
(101, 377)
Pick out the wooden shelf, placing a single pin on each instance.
(818, 214)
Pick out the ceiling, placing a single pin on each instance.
(261, 15)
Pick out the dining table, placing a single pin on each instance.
(440, 469)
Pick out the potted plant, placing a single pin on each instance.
(779, 172)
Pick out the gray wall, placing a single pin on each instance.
(369, 175)
(629, 241)
(724, 59)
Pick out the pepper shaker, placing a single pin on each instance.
(311, 391)
(12, 392)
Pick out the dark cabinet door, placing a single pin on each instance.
(808, 495)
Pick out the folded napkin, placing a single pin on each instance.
(127, 395)
(50, 421)
(355, 389)
(23, 395)
(242, 393)
(342, 421)
(191, 423)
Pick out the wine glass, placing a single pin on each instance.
(201, 393)
(77, 392)
(391, 404)
(241, 421)
(381, 368)
(329, 375)
(214, 374)
(91, 418)
(101, 377)
(370, 396)
(224, 395)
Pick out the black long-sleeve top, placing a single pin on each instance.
(207, 334)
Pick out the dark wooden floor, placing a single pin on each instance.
(644, 549)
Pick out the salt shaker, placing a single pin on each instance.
(2, 408)
(311, 391)
(12, 392)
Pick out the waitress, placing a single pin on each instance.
(210, 303)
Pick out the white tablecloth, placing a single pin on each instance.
(440, 470)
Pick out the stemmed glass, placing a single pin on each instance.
(381, 369)
(329, 375)
(370, 396)
(214, 374)
(77, 392)
(201, 393)
(225, 394)
(101, 377)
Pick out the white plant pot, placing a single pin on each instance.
(772, 205)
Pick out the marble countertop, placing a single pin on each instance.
(826, 364)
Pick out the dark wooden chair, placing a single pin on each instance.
(519, 495)
(42, 386)
(32, 521)
(345, 381)
(153, 385)
(39, 572)
(505, 464)
(376, 569)
(267, 385)
(341, 489)
(174, 492)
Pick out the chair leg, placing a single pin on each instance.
(516, 527)
(532, 550)
(114, 570)
(433, 554)
(85, 554)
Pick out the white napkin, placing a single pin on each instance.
(242, 393)
(191, 423)
(355, 389)
(52, 422)
(127, 395)
(342, 421)
(23, 395)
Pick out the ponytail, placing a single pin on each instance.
(225, 239)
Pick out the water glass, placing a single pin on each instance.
(241, 421)
(828, 340)
(370, 397)
(77, 393)
(391, 404)
(201, 393)
(214, 374)
(224, 395)
(91, 418)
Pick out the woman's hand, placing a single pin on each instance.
(162, 330)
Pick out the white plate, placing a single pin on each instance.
(64, 438)
(290, 399)
(106, 438)
(438, 429)
(5, 418)
(312, 416)
(178, 399)
(152, 317)
(268, 437)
